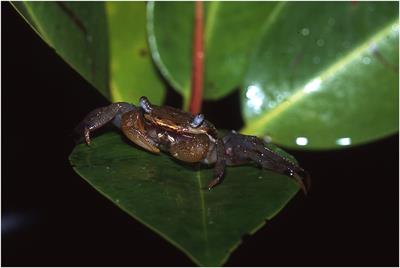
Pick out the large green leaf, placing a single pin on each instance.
(78, 33)
(230, 32)
(132, 72)
(170, 198)
(325, 75)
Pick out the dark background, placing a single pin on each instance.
(52, 217)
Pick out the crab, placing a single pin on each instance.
(189, 138)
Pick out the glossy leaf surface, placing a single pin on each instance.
(78, 33)
(230, 33)
(132, 71)
(169, 197)
(325, 75)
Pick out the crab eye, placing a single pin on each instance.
(197, 120)
(145, 104)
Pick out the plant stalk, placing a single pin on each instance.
(197, 60)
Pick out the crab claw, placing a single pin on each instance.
(102, 116)
(242, 149)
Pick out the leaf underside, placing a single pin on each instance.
(78, 33)
(230, 30)
(133, 73)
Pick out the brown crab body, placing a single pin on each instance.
(188, 138)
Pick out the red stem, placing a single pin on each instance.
(197, 60)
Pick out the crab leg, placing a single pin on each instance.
(101, 116)
(220, 164)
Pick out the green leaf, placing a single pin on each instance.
(325, 75)
(78, 33)
(230, 31)
(169, 197)
(132, 71)
(169, 28)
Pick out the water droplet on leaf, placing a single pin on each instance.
(320, 42)
(316, 60)
(302, 141)
(305, 31)
(331, 21)
(343, 141)
(366, 60)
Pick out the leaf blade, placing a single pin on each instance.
(171, 200)
(132, 72)
(78, 33)
(330, 101)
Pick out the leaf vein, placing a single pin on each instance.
(203, 213)
(258, 125)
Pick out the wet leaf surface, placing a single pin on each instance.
(169, 197)
(78, 33)
(325, 75)
(133, 73)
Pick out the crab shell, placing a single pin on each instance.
(177, 121)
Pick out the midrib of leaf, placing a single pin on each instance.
(257, 126)
(203, 213)
(89, 163)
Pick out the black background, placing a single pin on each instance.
(51, 217)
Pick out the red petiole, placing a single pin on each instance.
(197, 61)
